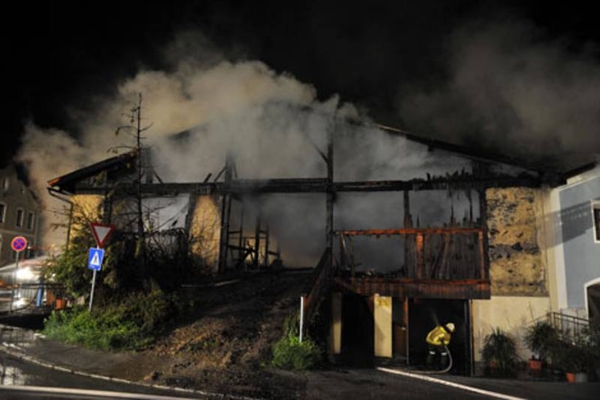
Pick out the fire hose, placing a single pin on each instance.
(442, 371)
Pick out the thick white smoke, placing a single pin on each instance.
(206, 107)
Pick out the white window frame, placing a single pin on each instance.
(30, 220)
(19, 221)
(585, 294)
(596, 222)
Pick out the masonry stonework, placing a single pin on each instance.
(514, 218)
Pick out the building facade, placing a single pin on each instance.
(20, 215)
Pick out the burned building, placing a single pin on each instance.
(405, 233)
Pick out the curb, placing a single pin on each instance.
(7, 348)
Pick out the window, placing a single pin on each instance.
(30, 220)
(2, 212)
(596, 216)
(6, 184)
(19, 221)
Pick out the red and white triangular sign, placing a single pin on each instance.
(101, 232)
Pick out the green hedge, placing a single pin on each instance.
(127, 324)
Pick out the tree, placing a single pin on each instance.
(135, 129)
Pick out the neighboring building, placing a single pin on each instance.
(20, 215)
(576, 222)
(468, 235)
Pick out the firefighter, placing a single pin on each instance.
(438, 340)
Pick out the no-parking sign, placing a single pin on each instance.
(18, 244)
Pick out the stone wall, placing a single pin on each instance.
(515, 218)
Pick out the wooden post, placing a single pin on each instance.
(419, 255)
(484, 235)
(330, 197)
(407, 224)
(225, 211)
(267, 246)
(257, 243)
(241, 238)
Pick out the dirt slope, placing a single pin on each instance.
(225, 346)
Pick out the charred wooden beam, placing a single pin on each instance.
(312, 185)
(330, 197)
(418, 288)
(406, 231)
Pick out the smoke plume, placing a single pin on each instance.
(205, 107)
(511, 89)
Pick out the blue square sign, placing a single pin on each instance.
(95, 259)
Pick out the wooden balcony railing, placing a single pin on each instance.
(434, 253)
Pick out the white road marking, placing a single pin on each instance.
(85, 392)
(452, 384)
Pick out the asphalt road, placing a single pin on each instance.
(17, 374)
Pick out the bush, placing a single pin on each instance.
(577, 352)
(104, 331)
(291, 354)
(127, 324)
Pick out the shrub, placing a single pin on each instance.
(103, 331)
(291, 354)
(130, 323)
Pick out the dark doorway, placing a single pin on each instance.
(425, 314)
(593, 300)
(357, 331)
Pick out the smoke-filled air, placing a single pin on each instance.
(506, 86)
(512, 90)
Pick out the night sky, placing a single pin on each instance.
(64, 55)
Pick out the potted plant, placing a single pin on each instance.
(576, 355)
(540, 338)
(499, 352)
(575, 361)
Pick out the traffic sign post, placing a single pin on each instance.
(18, 244)
(101, 232)
(95, 258)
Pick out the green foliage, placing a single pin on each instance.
(577, 352)
(103, 331)
(291, 354)
(540, 338)
(500, 353)
(130, 323)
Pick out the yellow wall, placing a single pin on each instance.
(383, 325)
(509, 313)
(86, 209)
(516, 237)
(335, 338)
(205, 230)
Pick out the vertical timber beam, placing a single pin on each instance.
(257, 243)
(482, 169)
(330, 197)
(241, 239)
(407, 239)
(225, 210)
(419, 253)
(267, 246)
